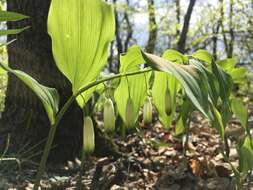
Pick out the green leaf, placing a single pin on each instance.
(133, 86)
(175, 56)
(162, 81)
(81, 31)
(218, 122)
(225, 83)
(48, 96)
(240, 111)
(11, 16)
(203, 55)
(245, 152)
(227, 64)
(12, 31)
(239, 75)
(185, 112)
(187, 75)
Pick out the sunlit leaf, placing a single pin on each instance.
(12, 31)
(11, 16)
(239, 75)
(162, 82)
(188, 77)
(175, 56)
(218, 122)
(203, 55)
(245, 152)
(48, 96)
(240, 111)
(81, 31)
(225, 83)
(227, 64)
(133, 86)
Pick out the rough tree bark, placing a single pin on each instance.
(24, 117)
(152, 27)
(183, 36)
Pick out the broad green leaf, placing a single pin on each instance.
(187, 75)
(245, 152)
(48, 96)
(11, 16)
(227, 64)
(203, 55)
(239, 75)
(81, 31)
(133, 86)
(162, 82)
(175, 56)
(12, 31)
(240, 111)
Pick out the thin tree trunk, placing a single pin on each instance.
(119, 44)
(223, 28)
(183, 36)
(216, 30)
(152, 27)
(178, 11)
(231, 30)
(129, 29)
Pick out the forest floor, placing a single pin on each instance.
(155, 160)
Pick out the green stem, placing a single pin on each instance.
(50, 142)
(59, 116)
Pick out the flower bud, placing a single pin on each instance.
(147, 111)
(88, 136)
(168, 108)
(130, 119)
(109, 116)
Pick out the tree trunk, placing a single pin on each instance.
(152, 27)
(231, 30)
(24, 117)
(178, 11)
(183, 36)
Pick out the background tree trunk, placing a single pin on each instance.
(24, 117)
(183, 36)
(152, 27)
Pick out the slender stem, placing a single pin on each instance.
(59, 116)
(79, 182)
(95, 83)
(50, 142)
(187, 133)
